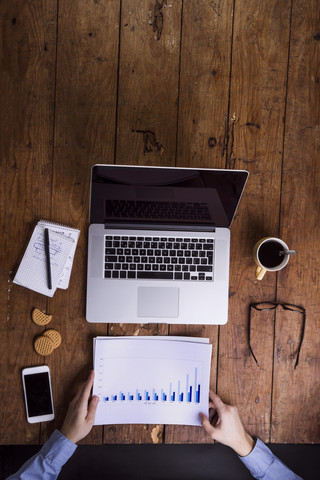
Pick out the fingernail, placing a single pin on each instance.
(96, 399)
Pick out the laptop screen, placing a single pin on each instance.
(165, 196)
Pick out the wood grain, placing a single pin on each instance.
(198, 83)
(146, 134)
(202, 135)
(148, 82)
(257, 106)
(84, 135)
(26, 132)
(295, 405)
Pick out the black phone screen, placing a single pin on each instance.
(38, 394)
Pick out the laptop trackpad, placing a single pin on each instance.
(158, 302)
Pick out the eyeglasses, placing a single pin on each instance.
(262, 306)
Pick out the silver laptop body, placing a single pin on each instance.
(159, 244)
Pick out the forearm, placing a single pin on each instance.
(47, 464)
(264, 465)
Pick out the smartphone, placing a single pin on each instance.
(37, 390)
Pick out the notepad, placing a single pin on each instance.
(157, 380)
(32, 271)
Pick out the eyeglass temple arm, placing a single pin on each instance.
(302, 337)
(249, 335)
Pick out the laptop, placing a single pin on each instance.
(159, 243)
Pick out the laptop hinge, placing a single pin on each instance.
(150, 226)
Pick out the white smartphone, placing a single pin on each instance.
(37, 390)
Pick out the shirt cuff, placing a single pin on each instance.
(259, 459)
(58, 449)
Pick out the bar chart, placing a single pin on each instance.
(150, 381)
(173, 393)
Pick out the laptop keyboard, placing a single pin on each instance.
(160, 258)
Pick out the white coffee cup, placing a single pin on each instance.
(270, 254)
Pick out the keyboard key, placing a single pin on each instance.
(110, 251)
(178, 276)
(204, 268)
(193, 277)
(155, 267)
(107, 274)
(108, 266)
(111, 258)
(123, 274)
(155, 275)
(186, 276)
(208, 246)
(140, 266)
(115, 274)
(131, 274)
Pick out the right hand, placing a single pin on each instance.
(226, 427)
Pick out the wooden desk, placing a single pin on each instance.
(165, 83)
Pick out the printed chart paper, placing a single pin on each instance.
(151, 380)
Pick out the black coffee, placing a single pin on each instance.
(269, 254)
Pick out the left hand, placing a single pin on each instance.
(81, 413)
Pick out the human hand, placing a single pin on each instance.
(80, 416)
(226, 427)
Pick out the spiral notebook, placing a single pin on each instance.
(32, 271)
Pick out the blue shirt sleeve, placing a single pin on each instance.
(46, 464)
(264, 465)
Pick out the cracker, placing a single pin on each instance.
(43, 345)
(40, 318)
(55, 336)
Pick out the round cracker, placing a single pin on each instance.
(43, 345)
(40, 318)
(55, 336)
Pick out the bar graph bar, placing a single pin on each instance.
(169, 394)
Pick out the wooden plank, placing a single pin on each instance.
(257, 106)
(27, 98)
(87, 62)
(146, 133)
(203, 112)
(148, 82)
(295, 412)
